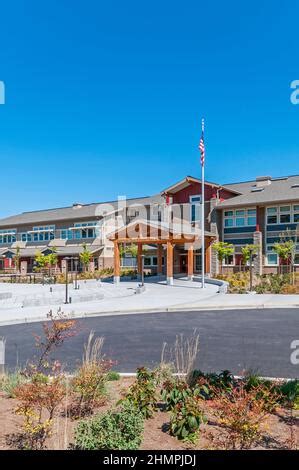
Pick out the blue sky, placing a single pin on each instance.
(106, 98)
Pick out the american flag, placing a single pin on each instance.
(202, 150)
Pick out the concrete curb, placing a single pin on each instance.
(174, 309)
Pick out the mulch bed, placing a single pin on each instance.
(156, 435)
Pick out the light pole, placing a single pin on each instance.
(66, 279)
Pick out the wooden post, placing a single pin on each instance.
(169, 263)
(208, 257)
(139, 261)
(190, 262)
(160, 256)
(116, 263)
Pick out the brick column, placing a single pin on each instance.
(63, 266)
(258, 260)
(23, 267)
(91, 267)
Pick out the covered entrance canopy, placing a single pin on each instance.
(142, 232)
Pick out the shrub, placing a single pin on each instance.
(88, 386)
(289, 392)
(186, 419)
(112, 375)
(142, 394)
(10, 382)
(126, 272)
(242, 413)
(114, 430)
(209, 382)
(38, 401)
(238, 282)
(273, 283)
(174, 392)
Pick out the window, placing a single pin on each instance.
(296, 213)
(251, 220)
(8, 236)
(240, 218)
(151, 261)
(228, 222)
(285, 218)
(240, 221)
(195, 202)
(272, 219)
(229, 260)
(83, 230)
(281, 215)
(272, 259)
(296, 258)
(147, 261)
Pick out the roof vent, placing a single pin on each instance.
(77, 205)
(256, 189)
(262, 181)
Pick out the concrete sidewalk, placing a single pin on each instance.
(182, 296)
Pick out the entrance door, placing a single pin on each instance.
(183, 263)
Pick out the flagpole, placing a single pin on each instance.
(203, 215)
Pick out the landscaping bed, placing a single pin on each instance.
(172, 406)
(276, 435)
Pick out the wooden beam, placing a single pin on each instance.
(190, 262)
(116, 262)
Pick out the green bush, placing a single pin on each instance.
(273, 283)
(112, 375)
(142, 393)
(186, 419)
(10, 382)
(174, 392)
(114, 430)
(290, 393)
(206, 382)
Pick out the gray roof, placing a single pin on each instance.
(70, 250)
(279, 190)
(75, 212)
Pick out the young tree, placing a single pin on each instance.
(224, 250)
(285, 251)
(248, 253)
(52, 259)
(40, 259)
(17, 258)
(85, 257)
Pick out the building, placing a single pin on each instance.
(258, 212)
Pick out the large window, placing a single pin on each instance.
(43, 233)
(7, 236)
(240, 218)
(283, 214)
(195, 202)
